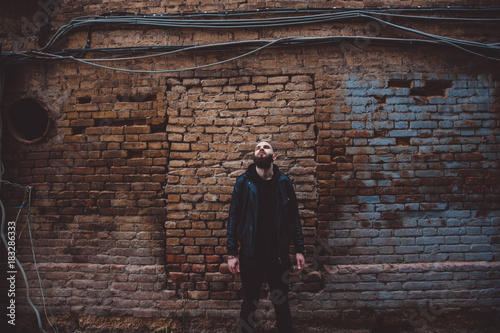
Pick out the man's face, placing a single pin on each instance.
(264, 155)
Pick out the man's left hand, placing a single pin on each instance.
(301, 261)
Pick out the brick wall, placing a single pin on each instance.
(393, 152)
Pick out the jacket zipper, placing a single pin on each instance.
(278, 202)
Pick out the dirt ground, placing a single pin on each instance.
(476, 323)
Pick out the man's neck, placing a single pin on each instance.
(265, 174)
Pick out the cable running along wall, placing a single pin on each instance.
(226, 21)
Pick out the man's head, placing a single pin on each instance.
(264, 155)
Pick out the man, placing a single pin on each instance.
(263, 219)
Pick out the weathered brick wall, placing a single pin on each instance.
(412, 159)
(393, 152)
(214, 119)
(408, 184)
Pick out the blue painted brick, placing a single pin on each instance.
(489, 123)
(400, 116)
(357, 233)
(400, 100)
(452, 239)
(361, 100)
(452, 231)
(401, 108)
(358, 125)
(428, 173)
(483, 92)
(351, 84)
(475, 239)
(379, 92)
(479, 256)
(401, 91)
(460, 92)
(454, 248)
(485, 131)
(385, 241)
(483, 107)
(423, 124)
(401, 125)
(368, 199)
(459, 84)
(430, 240)
(474, 231)
(407, 232)
(445, 108)
(381, 142)
(441, 100)
(417, 286)
(379, 125)
(358, 92)
(402, 133)
(425, 149)
(409, 249)
(491, 231)
(480, 248)
(407, 241)
(446, 124)
(447, 148)
(358, 109)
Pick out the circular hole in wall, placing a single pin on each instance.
(28, 120)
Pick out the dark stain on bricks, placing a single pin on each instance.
(78, 129)
(136, 98)
(396, 83)
(84, 100)
(159, 128)
(134, 153)
(387, 224)
(365, 224)
(404, 141)
(381, 133)
(432, 88)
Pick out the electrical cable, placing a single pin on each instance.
(19, 265)
(180, 21)
(26, 199)
(184, 69)
(168, 22)
(307, 10)
(287, 41)
(42, 288)
(187, 48)
(282, 41)
(292, 41)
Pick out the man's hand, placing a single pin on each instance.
(301, 261)
(234, 265)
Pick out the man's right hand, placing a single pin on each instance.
(234, 265)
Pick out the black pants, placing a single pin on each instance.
(253, 273)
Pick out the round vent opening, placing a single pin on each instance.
(28, 120)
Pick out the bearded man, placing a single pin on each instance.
(263, 220)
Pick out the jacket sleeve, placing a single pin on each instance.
(297, 235)
(234, 217)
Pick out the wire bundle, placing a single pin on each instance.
(225, 20)
(26, 204)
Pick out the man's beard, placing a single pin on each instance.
(263, 162)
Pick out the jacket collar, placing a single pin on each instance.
(253, 175)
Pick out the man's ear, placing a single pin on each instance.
(274, 157)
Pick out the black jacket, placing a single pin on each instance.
(243, 214)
